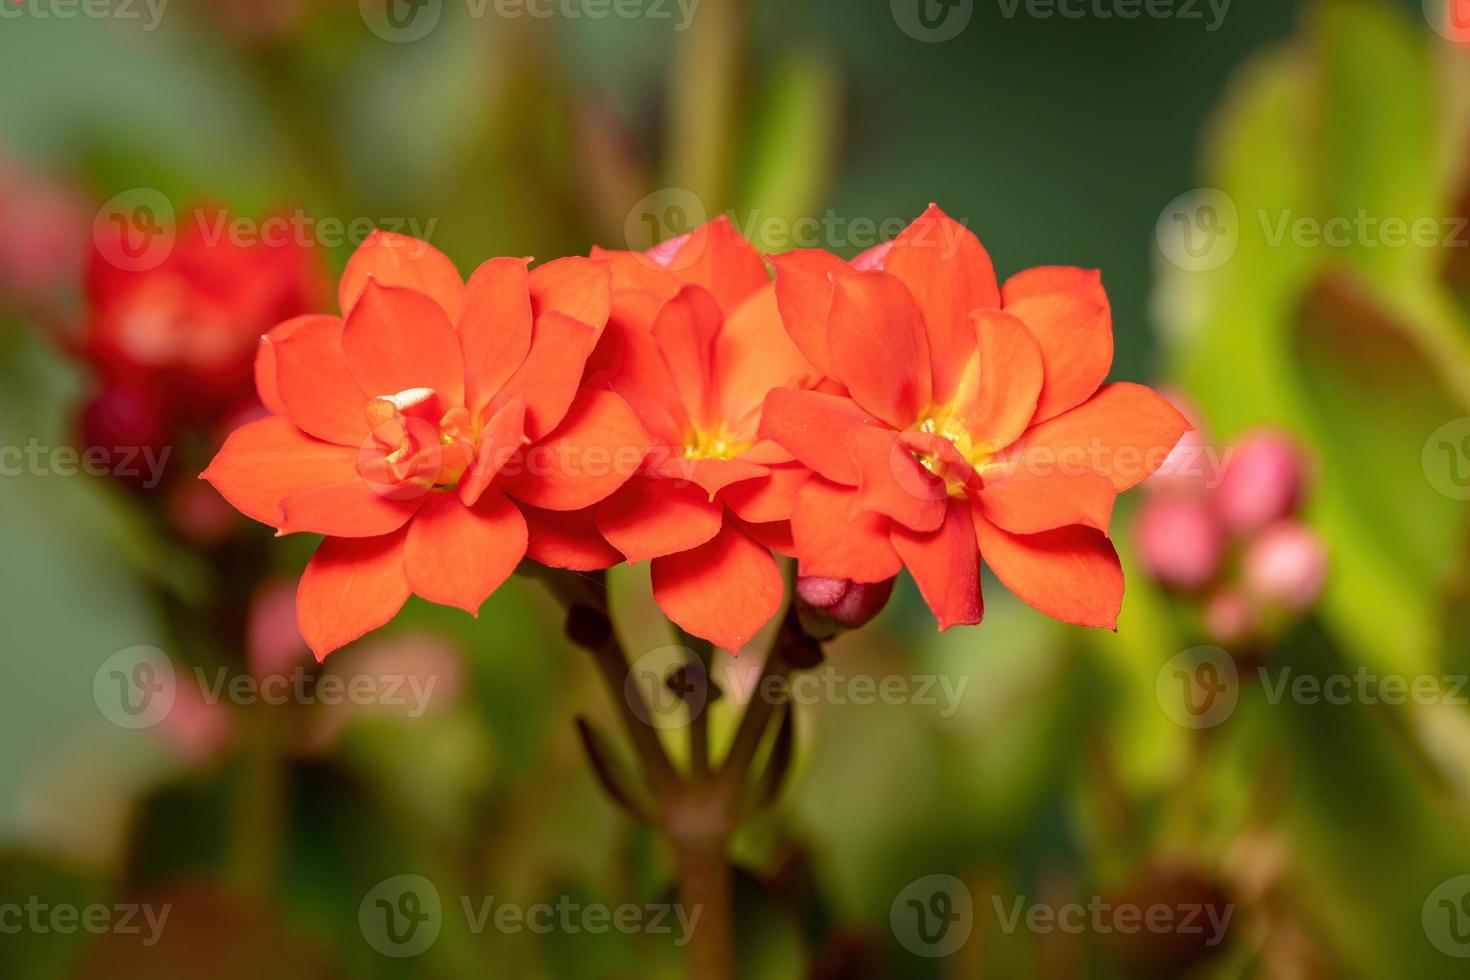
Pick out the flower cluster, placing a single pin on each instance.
(683, 407)
(1235, 542)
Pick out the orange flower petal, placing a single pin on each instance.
(397, 338)
(812, 426)
(1125, 432)
(1076, 340)
(879, 348)
(719, 258)
(1071, 574)
(1055, 279)
(596, 449)
(836, 538)
(685, 331)
(567, 539)
(549, 376)
(318, 391)
(495, 328)
(1028, 503)
(457, 555)
(1010, 380)
(712, 475)
(265, 461)
(650, 518)
(352, 508)
(723, 591)
(265, 362)
(774, 535)
(891, 481)
(945, 564)
(398, 260)
(804, 297)
(753, 355)
(502, 438)
(576, 287)
(950, 275)
(773, 498)
(351, 586)
(629, 362)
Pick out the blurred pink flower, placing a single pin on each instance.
(1180, 541)
(1286, 566)
(1229, 616)
(196, 729)
(44, 224)
(273, 644)
(1263, 482)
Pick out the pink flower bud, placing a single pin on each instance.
(828, 606)
(44, 224)
(1286, 566)
(273, 644)
(1180, 541)
(1229, 617)
(1263, 482)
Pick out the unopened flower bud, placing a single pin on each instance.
(1180, 541)
(1263, 482)
(1229, 617)
(273, 643)
(827, 606)
(1286, 566)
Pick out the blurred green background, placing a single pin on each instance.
(1330, 831)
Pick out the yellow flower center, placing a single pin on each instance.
(975, 453)
(716, 443)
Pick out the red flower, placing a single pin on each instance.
(190, 322)
(695, 345)
(413, 432)
(974, 422)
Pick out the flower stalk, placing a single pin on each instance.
(698, 811)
